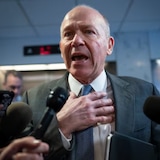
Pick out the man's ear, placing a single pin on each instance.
(60, 49)
(110, 45)
(62, 55)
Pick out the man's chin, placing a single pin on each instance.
(78, 72)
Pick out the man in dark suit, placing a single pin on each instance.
(114, 104)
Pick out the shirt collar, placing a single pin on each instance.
(99, 84)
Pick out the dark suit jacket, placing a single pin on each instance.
(129, 96)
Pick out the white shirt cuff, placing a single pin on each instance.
(66, 141)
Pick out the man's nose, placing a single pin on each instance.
(77, 40)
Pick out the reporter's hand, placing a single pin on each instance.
(85, 111)
(27, 148)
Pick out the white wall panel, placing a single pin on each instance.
(132, 55)
(154, 38)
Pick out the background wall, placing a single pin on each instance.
(135, 25)
(133, 52)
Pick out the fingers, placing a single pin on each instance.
(104, 119)
(104, 107)
(42, 148)
(72, 95)
(85, 111)
(104, 111)
(26, 156)
(92, 96)
(98, 109)
(96, 95)
(24, 147)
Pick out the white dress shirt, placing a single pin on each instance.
(100, 132)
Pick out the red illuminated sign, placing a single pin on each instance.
(41, 50)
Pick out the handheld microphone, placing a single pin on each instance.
(55, 102)
(152, 108)
(17, 117)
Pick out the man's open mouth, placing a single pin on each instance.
(79, 58)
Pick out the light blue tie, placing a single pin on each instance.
(86, 89)
(84, 139)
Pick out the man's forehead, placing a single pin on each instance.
(80, 18)
(82, 11)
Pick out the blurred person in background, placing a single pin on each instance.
(1, 78)
(13, 81)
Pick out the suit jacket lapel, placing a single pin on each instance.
(124, 102)
(62, 82)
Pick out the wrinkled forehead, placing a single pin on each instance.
(82, 11)
(82, 14)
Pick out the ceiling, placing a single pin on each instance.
(42, 18)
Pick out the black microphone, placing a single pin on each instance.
(54, 103)
(152, 108)
(17, 117)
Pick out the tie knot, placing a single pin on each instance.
(86, 89)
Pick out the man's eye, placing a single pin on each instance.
(68, 34)
(89, 32)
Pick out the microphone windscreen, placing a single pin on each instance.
(18, 116)
(152, 108)
(55, 101)
(57, 98)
